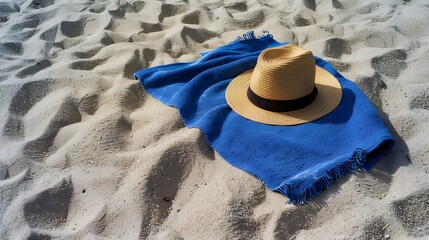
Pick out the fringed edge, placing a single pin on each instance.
(355, 162)
(250, 35)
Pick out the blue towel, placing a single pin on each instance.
(298, 161)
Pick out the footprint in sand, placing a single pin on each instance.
(421, 101)
(40, 147)
(337, 4)
(368, 8)
(198, 35)
(42, 3)
(111, 38)
(169, 10)
(133, 97)
(4, 172)
(300, 21)
(248, 20)
(375, 229)
(84, 26)
(413, 213)
(340, 66)
(311, 4)
(118, 13)
(72, 29)
(29, 21)
(127, 7)
(11, 185)
(31, 70)
(89, 104)
(139, 60)
(98, 7)
(174, 46)
(14, 127)
(372, 87)
(241, 223)
(390, 64)
(294, 220)
(8, 8)
(49, 209)
(138, 5)
(87, 65)
(374, 182)
(38, 236)
(336, 47)
(151, 27)
(237, 6)
(11, 48)
(88, 53)
(192, 17)
(29, 94)
(376, 39)
(49, 34)
(162, 185)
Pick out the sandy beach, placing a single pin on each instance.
(87, 153)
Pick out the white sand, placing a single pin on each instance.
(87, 154)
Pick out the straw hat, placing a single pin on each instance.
(285, 88)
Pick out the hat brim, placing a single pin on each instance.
(328, 97)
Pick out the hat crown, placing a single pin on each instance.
(284, 73)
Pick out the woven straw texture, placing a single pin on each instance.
(284, 73)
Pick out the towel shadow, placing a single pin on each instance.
(378, 176)
(399, 155)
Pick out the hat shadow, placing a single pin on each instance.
(344, 110)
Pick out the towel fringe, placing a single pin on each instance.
(251, 35)
(355, 162)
